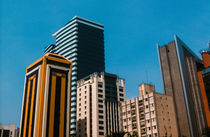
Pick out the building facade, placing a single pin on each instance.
(204, 82)
(179, 67)
(8, 131)
(98, 100)
(149, 115)
(82, 42)
(46, 98)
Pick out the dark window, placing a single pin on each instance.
(100, 84)
(100, 127)
(101, 133)
(121, 99)
(100, 106)
(121, 95)
(101, 122)
(100, 90)
(100, 96)
(101, 117)
(101, 101)
(100, 111)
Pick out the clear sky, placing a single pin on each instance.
(132, 29)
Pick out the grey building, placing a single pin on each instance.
(179, 67)
(82, 42)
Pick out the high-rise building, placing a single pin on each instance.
(149, 115)
(82, 42)
(46, 98)
(204, 82)
(179, 67)
(98, 99)
(8, 131)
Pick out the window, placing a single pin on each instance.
(153, 112)
(101, 122)
(100, 96)
(148, 128)
(147, 114)
(100, 90)
(100, 84)
(146, 99)
(101, 133)
(85, 87)
(85, 97)
(146, 106)
(121, 95)
(101, 128)
(101, 101)
(100, 111)
(124, 120)
(121, 99)
(79, 99)
(100, 106)
(101, 117)
(79, 104)
(154, 127)
(85, 102)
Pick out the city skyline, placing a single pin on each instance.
(135, 44)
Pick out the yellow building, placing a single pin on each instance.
(46, 98)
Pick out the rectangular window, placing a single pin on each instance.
(100, 111)
(101, 128)
(101, 122)
(100, 96)
(100, 101)
(101, 133)
(100, 106)
(100, 90)
(101, 117)
(100, 84)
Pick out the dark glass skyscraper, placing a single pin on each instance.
(82, 42)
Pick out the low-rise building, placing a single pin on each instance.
(8, 131)
(150, 115)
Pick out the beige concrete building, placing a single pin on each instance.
(98, 104)
(8, 131)
(150, 115)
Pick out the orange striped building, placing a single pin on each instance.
(46, 98)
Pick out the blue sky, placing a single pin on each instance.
(132, 29)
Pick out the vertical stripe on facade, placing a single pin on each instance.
(27, 123)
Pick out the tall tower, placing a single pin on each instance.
(82, 42)
(179, 67)
(46, 98)
(98, 104)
